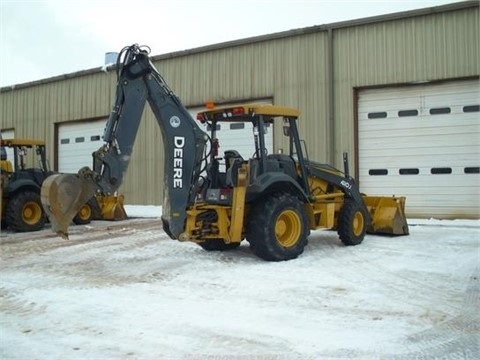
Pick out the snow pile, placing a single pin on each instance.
(143, 211)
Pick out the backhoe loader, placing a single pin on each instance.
(21, 207)
(271, 200)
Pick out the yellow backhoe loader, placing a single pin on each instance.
(21, 207)
(271, 200)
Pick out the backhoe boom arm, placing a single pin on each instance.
(184, 141)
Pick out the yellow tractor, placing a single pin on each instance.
(270, 200)
(21, 208)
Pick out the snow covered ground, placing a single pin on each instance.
(124, 290)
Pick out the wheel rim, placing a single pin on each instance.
(31, 213)
(358, 223)
(288, 228)
(85, 212)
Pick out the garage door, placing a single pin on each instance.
(423, 142)
(77, 142)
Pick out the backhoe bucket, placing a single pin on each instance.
(387, 214)
(62, 197)
(112, 207)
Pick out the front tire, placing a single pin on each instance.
(352, 223)
(24, 212)
(278, 229)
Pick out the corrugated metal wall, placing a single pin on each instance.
(33, 111)
(292, 69)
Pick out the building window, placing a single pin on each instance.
(471, 108)
(64, 141)
(409, 171)
(237, 126)
(472, 170)
(441, 170)
(403, 113)
(377, 115)
(438, 111)
(377, 172)
(95, 138)
(209, 127)
(79, 139)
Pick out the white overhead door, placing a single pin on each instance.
(77, 142)
(423, 142)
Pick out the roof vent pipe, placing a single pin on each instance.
(111, 58)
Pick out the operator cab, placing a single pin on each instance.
(29, 160)
(222, 171)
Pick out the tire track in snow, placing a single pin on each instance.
(455, 338)
(11, 303)
(455, 329)
(89, 259)
(109, 263)
(365, 262)
(15, 245)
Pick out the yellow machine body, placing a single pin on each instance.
(387, 215)
(111, 207)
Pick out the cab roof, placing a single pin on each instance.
(245, 111)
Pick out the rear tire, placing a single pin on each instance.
(278, 229)
(24, 212)
(218, 245)
(352, 223)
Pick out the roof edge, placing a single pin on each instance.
(324, 27)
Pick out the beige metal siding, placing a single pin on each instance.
(291, 69)
(420, 48)
(144, 180)
(34, 110)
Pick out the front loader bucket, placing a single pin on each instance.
(112, 207)
(62, 197)
(387, 214)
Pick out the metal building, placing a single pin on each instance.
(399, 93)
